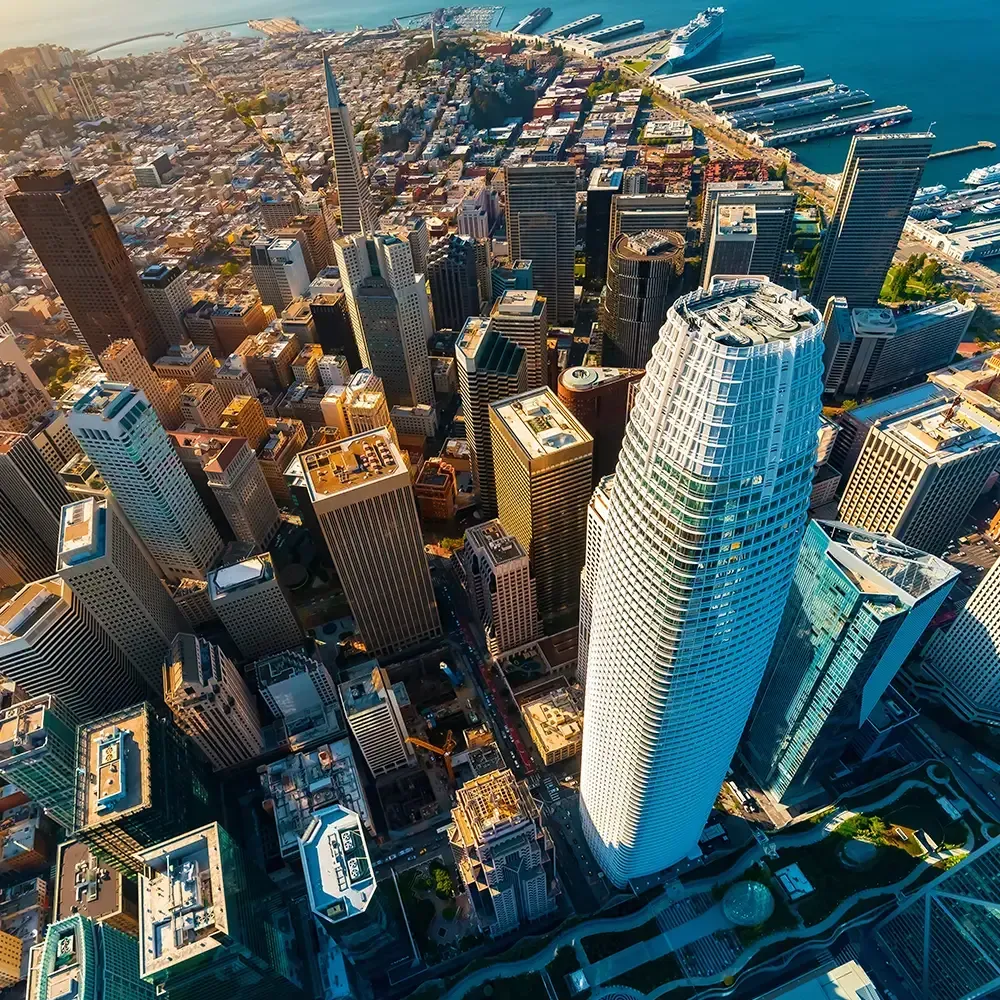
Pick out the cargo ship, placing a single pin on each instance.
(696, 36)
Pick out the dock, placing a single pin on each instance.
(769, 95)
(732, 86)
(835, 99)
(615, 30)
(574, 27)
(826, 130)
(529, 22)
(974, 148)
(719, 70)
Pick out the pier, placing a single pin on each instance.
(614, 31)
(719, 70)
(574, 27)
(769, 95)
(732, 86)
(836, 99)
(826, 130)
(974, 148)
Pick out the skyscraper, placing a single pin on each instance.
(541, 225)
(118, 582)
(301, 696)
(357, 213)
(85, 97)
(858, 604)
(211, 702)
(490, 367)
(169, 297)
(604, 184)
(124, 363)
(279, 270)
(880, 178)
(542, 460)
(70, 230)
(729, 245)
(523, 317)
(236, 479)
(451, 271)
(696, 556)
(11, 354)
(645, 271)
(120, 432)
(920, 472)
(371, 710)
(597, 517)
(635, 213)
(361, 492)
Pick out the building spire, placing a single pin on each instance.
(332, 90)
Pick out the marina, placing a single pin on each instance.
(574, 27)
(838, 98)
(884, 117)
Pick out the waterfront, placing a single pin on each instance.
(934, 58)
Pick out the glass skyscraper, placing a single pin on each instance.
(697, 554)
(858, 604)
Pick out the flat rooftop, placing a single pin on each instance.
(182, 908)
(581, 379)
(539, 423)
(348, 464)
(239, 577)
(486, 805)
(364, 691)
(492, 538)
(898, 402)
(736, 220)
(29, 605)
(82, 532)
(519, 302)
(940, 431)
(114, 771)
(85, 886)
(747, 312)
(22, 727)
(555, 720)
(106, 400)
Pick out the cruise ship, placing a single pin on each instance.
(983, 175)
(696, 36)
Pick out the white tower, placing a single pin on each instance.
(697, 554)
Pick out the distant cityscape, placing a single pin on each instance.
(479, 518)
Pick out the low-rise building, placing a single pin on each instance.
(555, 723)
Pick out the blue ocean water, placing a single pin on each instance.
(937, 58)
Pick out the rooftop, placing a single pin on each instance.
(108, 399)
(29, 605)
(519, 302)
(587, 379)
(492, 538)
(940, 431)
(84, 885)
(82, 532)
(364, 691)
(241, 576)
(22, 727)
(488, 805)
(539, 423)
(736, 220)
(353, 462)
(482, 347)
(555, 720)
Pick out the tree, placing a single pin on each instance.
(230, 269)
(444, 884)
(930, 273)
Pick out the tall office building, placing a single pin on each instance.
(490, 367)
(497, 577)
(202, 405)
(635, 213)
(120, 432)
(138, 779)
(454, 281)
(361, 492)
(597, 518)
(124, 363)
(523, 317)
(118, 582)
(880, 178)
(211, 702)
(233, 379)
(961, 662)
(31, 501)
(80, 957)
(371, 709)
(251, 602)
(920, 472)
(504, 856)
(38, 754)
(279, 271)
(210, 921)
(237, 481)
(600, 398)
(277, 210)
(774, 222)
(541, 225)
(868, 350)
(604, 184)
(509, 275)
(51, 644)
(542, 459)
(357, 212)
(21, 404)
(11, 354)
(302, 697)
(185, 363)
(70, 230)
(858, 604)
(85, 97)
(729, 246)
(169, 297)
(645, 271)
(696, 557)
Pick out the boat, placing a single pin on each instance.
(929, 193)
(952, 213)
(829, 118)
(764, 82)
(695, 36)
(890, 123)
(861, 129)
(987, 208)
(766, 124)
(983, 175)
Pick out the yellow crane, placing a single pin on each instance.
(444, 751)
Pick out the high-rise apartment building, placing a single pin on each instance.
(451, 271)
(138, 779)
(371, 709)
(237, 481)
(251, 602)
(70, 230)
(302, 696)
(920, 472)
(279, 270)
(51, 644)
(31, 501)
(169, 297)
(211, 702)
(600, 398)
(504, 856)
(542, 458)
(120, 432)
(523, 317)
(880, 178)
(21, 403)
(696, 556)
(38, 754)
(124, 363)
(645, 271)
(115, 578)
(211, 921)
(858, 604)
(490, 367)
(541, 225)
(597, 517)
(361, 492)
(85, 97)
(357, 212)
(604, 184)
(497, 577)
(277, 210)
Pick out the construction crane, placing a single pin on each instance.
(444, 751)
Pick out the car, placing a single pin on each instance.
(423, 850)
(992, 796)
